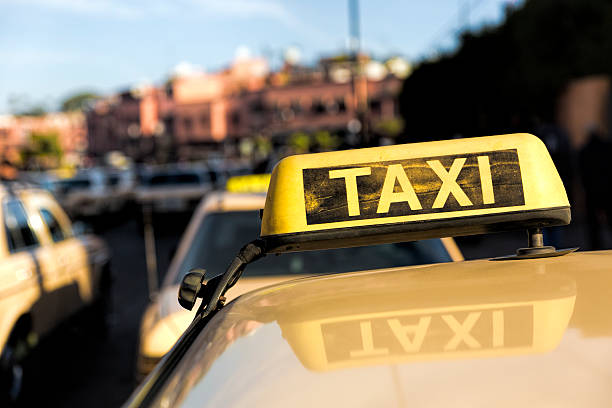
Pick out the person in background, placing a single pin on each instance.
(596, 171)
(558, 144)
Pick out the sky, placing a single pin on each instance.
(50, 49)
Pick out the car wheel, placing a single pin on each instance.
(12, 369)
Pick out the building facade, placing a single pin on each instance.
(69, 128)
(200, 112)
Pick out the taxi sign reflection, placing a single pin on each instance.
(439, 332)
(434, 323)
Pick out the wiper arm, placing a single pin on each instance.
(213, 291)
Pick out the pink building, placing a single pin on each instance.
(70, 127)
(202, 110)
(129, 121)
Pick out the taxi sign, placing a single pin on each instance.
(253, 183)
(412, 191)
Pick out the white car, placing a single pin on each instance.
(173, 189)
(85, 194)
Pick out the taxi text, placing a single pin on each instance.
(413, 186)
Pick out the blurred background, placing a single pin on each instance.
(130, 113)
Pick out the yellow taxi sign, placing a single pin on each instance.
(412, 191)
(253, 183)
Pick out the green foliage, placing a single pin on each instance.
(79, 101)
(21, 105)
(341, 58)
(36, 110)
(325, 140)
(46, 143)
(318, 141)
(390, 127)
(43, 151)
(299, 142)
(505, 78)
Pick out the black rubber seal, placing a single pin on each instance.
(416, 230)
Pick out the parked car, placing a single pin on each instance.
(120, 185)
(47, 274)
(217, 230)
(84, 195)
(173, 189)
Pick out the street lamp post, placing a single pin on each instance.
(359, 82)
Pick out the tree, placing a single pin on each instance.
(390, 128)
(79, 101)
(22, 105)
(504, 78)
(43, 151)
(36, 110)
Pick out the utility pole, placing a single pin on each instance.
(464, 15)
(359, 81)
(150, 252)
(354, 32)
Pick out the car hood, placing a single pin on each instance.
(477, 333)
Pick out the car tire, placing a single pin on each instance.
(12, 371)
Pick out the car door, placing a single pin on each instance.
(68, 253)
(19, 285)
(28, 256)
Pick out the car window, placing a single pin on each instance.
(74, 184)
(19, 234)
(221, 235)
(174, 179)
(113, 179)
(55, 229)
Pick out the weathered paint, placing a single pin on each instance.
(412, 183)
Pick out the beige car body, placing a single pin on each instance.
(41, 286)
(165, 320)
(511, 333)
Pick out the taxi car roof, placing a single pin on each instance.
(298, 343)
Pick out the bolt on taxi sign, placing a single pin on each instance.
(418, 191)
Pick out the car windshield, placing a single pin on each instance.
(113, 179)
(173, 179)
(222, 234)
(74, 184)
